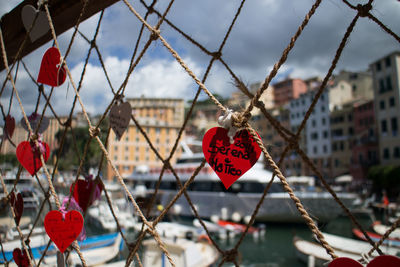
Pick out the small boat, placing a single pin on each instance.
(376, 238)
(96, 250)
(175, 230)
(100, 215)
(356, 246)
(183, 252)
(237, 227)
(315, 255)
(381, 230)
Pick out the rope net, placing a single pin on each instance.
(147, 36)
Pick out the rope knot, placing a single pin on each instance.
(33, 137)
(227, 122)
(294, 143)
(216, 55)
(363, 10)
(119, 97)
(154, 34)
(167, 164)
(41, 88)
(240, 119)
(259, 104)
(93, 43)
(68, 122)
(230, 255)
(93, 131)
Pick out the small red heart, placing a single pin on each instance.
(50, 71)
(380, 261)
(20, 258)
(63, 231)
(84, 192)
(9, 126)
(29, 156)
(18, 206)
(230, 161)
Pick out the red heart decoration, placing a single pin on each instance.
(29, 156)
(63, 231)
(20, 258)
(230, 161)
(84, 192)
(51, 73)
(17, 204)
(9, 126)
(380, 261)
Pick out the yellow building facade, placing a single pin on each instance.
(161, 119)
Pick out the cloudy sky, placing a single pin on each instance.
(262, 31)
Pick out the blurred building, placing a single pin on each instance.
(386, 84)
(287, 90)
(365, 150)
(161, 119)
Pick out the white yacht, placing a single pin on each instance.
(239, 201)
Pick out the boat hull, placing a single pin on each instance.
(277, 207)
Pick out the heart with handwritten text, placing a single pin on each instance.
(29, 155)
(380, 261)
(63, 231)
(17, 203)
(85, 192)
(230, 161)
(20, 258)
(120, 115)
(51, 72)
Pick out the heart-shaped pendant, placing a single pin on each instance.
(120, 115)
(41, 26)
(29, 156)
(63, 231)
(51, 73)
(86, 192)
(230, 161)
(9, 126)
(34, 120)
(380, 261)
(17, 204)
(20, 258)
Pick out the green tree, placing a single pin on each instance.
(74, 146)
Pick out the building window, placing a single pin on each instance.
(382, 104)
(314, 136)
(386, 153)
(350, 117)
(392, 102)
(389, 83)
(354, 87)
(383, 126)
(323, 121)
(378, 66)
(325, 149)
(341, 146)
(325, 134)
(334, 146)
(115, 157)
(315, 149)
(387, 62)
(394, 126)
(381, 86)
(126, 148)
(396, 152)
(322, 109)
(350, 130)
(313, 123)
(336, 162)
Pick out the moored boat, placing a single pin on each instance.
(212, 199)
(376, 237)
(95, 249)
